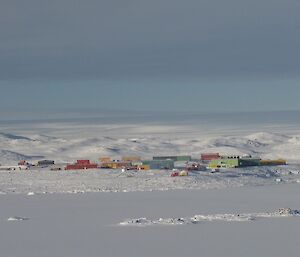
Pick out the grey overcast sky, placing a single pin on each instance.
(202, 45)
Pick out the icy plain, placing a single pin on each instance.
(87, 224)
(59, 213)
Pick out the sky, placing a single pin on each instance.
(208, 55)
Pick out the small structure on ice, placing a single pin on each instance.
(16, 218)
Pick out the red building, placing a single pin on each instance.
(210, 156)
(81, 165)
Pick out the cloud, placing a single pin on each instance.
(114, 39)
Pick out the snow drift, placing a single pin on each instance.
(196, 219)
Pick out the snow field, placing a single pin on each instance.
(45, 181)
(68, 148)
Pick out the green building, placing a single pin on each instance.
(246, 162)
(224, 163)
(160, 164)
(234, 162)
(179, 158)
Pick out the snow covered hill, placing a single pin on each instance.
(146, 143)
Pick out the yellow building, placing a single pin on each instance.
(273, 162)
(143, 167)
(115, 165)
